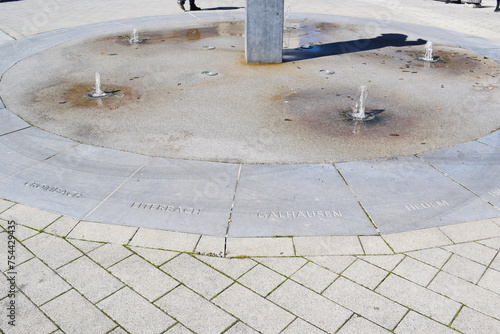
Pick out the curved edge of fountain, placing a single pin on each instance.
(34, 44)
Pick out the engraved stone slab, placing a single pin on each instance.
(24, 148)
(74, 182)
(176, 195)
(10, 122)
(474, 165)
(405, 193)
(492, 139)
(295, 200)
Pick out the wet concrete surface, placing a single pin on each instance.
(282, 113)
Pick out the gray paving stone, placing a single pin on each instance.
(337, 264)
(196, 275)
(259, 247)
(23, 233)
(418, 324)
(195, 312)
(241, 328)
(139, 316)
(253, 310)
(436, 257)
(182, 242)
(66, 183)
(491, 280)
(89, 279)
(416, 271)
(22, 149)
(61, 226)
(473, 164)
(117, 330)
(146, 279)
(85, 318)
(405, 193)
(28, 317)
(473, 322)
(179, 329)
(174, 195)
(357, 325)
(300, 326)
(314, 201)
(419, 299)
(467, 293)
(39, 282)
(10, 122)
(387, 262)
(473, 251)
(365, 274)
(85, 246)
(493, 243)
(366, 303)
(496, 263)
(102, 232)
(331, 245)
(52, 250)
(314, 277)
(211, 246)
(109, 254)
(232, 267)
(4, 205)
(20, 252)
(374, 245)
(284, 265)
(492, 139)
(261, 280)
(416, 240)
(155, 256)
(464, 268)
(28, 216)
(297, 299)
(475, 230)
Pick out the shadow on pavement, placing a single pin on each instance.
(339, 48)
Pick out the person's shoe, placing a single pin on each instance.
(181, 4)
(194, 8)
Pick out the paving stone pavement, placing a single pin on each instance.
(72, 276)
(437, 280)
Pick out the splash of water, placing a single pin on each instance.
(98, 92)
(134, 38)
(358, 112)
(287, 18)
(428, 52)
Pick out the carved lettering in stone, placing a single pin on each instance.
(428, 205)
(53, 189)
(495, 192)
(300, 214)
(166, 208)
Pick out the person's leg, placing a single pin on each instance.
(193, 6)
(181, 4)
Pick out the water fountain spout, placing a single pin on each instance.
(428, 57)
(98, 92)
(287, 19)
(358, 112)
(134, 39)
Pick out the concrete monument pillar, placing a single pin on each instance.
(264, 31)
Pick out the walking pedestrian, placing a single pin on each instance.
(192, 6)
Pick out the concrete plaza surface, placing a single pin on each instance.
(438, 274)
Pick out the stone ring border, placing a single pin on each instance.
(13, 52)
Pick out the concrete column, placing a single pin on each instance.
(264, 31)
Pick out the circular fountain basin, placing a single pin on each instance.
(255, 113)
